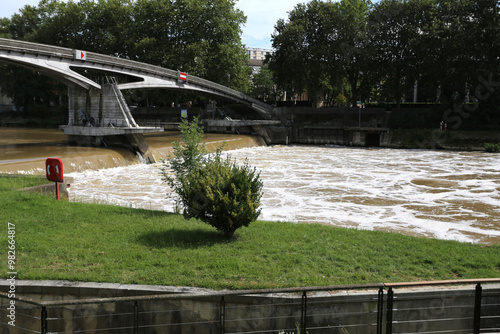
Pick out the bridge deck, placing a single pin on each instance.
(110, 63)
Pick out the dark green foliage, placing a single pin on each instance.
(223, 194)
(188, 156)
(362, 49)
(264, 87)
(210, 188)
(491, 147)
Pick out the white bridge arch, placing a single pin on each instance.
(58, 63)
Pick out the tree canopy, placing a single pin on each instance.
(337, 51)
(356, 47)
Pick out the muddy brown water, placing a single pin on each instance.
(439, 194)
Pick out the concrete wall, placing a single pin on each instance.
(418, 310)
(50, 189)
(323, 135)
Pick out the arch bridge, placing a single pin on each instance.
(99, 109)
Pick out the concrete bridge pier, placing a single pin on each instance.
(101, 117)
(105, 107)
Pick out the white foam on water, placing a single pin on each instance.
(445, 195)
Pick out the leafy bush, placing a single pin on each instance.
(188, 156)
(223, 194)
(211, 188)
(493, 148)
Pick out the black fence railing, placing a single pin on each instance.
(462, 306)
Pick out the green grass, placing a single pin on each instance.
(59, 240)
(13, 182)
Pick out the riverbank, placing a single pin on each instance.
(433, 139)
(442, 140)
(164, 249)
(379, 127)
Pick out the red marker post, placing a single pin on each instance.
(54, 172)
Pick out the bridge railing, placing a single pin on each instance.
(171, 74)
(35, 48)
(12, 45)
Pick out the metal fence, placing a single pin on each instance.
(463, 306)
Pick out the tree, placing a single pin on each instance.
(322, 47)
(201, 37)
(351, 45)
(28, 88)
(467, 63)
(210, 188)
(223, 194)
(466, 39)
(187, 156)
(264, 86)
(301, 61)
(395, 28)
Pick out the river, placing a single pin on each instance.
(439, 194)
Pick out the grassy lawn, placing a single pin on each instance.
(101, 243)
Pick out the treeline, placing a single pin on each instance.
(355, 50)
(338, 52)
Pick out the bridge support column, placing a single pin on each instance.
(101, 116)
(105, 107)
(81, 102)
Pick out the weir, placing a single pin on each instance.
(24, 151)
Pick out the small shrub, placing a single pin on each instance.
(210, 188)
(223, 194)
(493, 148)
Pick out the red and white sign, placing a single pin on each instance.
(80, 55)
(183, 76)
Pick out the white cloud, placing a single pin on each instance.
(262, 15)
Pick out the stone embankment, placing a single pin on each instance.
(369, 128)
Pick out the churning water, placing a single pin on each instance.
(439, 194)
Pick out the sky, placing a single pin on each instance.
(261, 15)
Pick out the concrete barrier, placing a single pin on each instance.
(93, 307)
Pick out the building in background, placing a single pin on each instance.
(257, 57)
